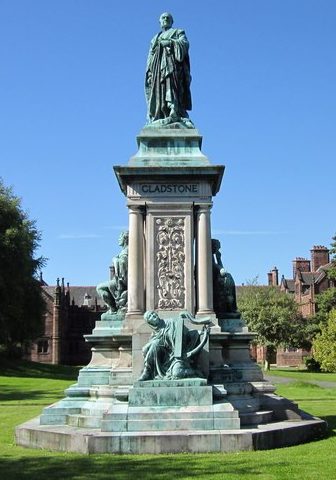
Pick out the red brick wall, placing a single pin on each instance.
(319, 257)
(291, 359)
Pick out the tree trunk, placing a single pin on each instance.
(268, 356)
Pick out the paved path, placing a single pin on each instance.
(320, 383)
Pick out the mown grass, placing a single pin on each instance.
(24, 397)
(302, 374)
(22, 368)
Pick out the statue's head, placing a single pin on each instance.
(153, 319)
(123, 239)
(166, 20)
(215, 245)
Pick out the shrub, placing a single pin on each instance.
(324, 345)
(312, 365)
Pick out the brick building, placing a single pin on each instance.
(309, 279)
(70, 314)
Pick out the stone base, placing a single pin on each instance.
(107, 411)
(162, 405)
(161, 416)
(91, 440)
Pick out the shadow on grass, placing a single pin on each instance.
(124, 467)
(9, 395)
(331, 421)
(22, 368)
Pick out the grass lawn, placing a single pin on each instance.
(25, 388)
(302, 375)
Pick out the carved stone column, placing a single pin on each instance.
(204, 261)
(135, 261)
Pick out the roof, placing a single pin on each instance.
(307, 277)
(78, 295)
(289, 284)
(316, 277)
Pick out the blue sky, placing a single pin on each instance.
(72, 103)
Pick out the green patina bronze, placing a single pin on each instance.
(114, 291)
(167, 81)
(224, 289)
(170, 352)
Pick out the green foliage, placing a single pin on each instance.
(325, 301)
(331, 273)
(333, 248)
(312, 365)
(274, 316)
(332, 269)
(324, 345)
(21, 303)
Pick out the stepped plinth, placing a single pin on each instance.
(171, 369)
(169, 185)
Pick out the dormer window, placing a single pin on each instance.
(87, 300)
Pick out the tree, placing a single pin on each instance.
(324, 345)
(21, 302)
(274, 316)
(326, 301)
(332, 268)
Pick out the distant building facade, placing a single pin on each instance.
(70, 314)
(309, 279)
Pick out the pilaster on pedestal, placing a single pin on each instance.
(204, 261)
(135, 263)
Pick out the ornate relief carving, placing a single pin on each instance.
(170, 260)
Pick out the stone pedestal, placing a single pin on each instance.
(169, 184)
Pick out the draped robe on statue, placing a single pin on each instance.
(167, 83)
(159, 352)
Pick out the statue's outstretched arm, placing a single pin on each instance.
(201, 321)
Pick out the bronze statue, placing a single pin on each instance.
(224, 289)
(114, 291)
(167, 82)
(169, 352)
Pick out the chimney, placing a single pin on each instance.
(319, 257)
(275, 277)
(300, 265)
(58, 293)
(67, 294)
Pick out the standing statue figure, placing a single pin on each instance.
(167, 82)
(169, 352)
(114, 291)
(224, 289)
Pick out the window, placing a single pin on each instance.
(42, 346)
(291, 350)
